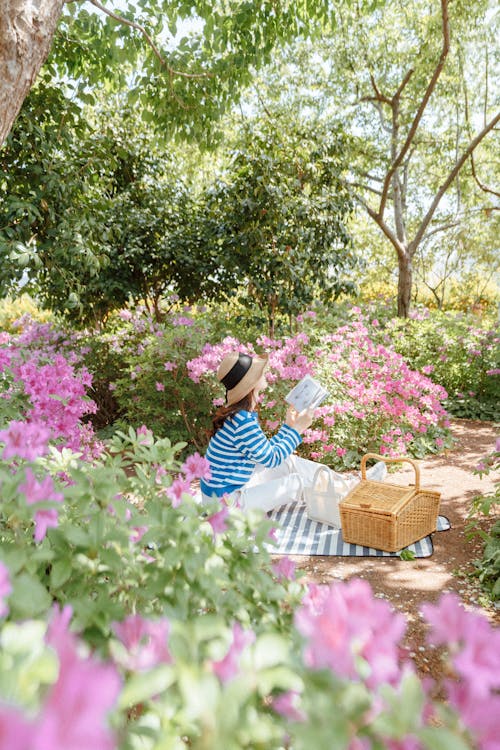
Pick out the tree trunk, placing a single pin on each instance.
(405, 280)
(26, 32)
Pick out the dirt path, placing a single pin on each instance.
(407, 584)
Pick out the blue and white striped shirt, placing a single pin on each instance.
(240, 444)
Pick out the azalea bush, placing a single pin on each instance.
(456, 350)
(162, 375)
(43, 378)
(134, 617)
(484, 506)
(376, 404)
(109, 536)
(207, 683)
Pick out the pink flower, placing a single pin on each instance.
(5, 588)
(218, 520)
(227, 668)
(196, 467)
(37, 492)
(285, 704)
(25, 440)
(145, 640)
(160, 386)
(15, 732)
(137, 533)
(284, 569)
(169, 366)
(75, 712)
(448, 619)
(144, 435)
(177, 489)
(344, 622)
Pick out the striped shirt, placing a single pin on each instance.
(240, 444)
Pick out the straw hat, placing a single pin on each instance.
(239, 374)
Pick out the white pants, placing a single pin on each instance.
(269, 488)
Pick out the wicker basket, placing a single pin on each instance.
(387, 516)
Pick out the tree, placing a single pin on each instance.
(278, 220)
(403, 79)
(181, 84)
(94, 213)
(27, 30)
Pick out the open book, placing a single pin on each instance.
(307, 394)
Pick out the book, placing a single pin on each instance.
(307, 394)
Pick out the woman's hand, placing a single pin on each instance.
(300, 421)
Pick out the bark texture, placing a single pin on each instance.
(26, 31)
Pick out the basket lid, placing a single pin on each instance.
(379, 497)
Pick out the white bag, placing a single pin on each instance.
(322, 499)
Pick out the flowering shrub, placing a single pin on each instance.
(42, 377)
(379, 404)
(141, 365)
(456, 353)
(206, 683)
(488, 568)
(189, 634)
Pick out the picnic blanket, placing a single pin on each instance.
(299, 535)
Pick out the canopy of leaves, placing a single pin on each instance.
(182, 62)
(277, 217)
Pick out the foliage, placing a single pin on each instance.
(459, 354)
(190, 633)
(277, 218)
(95, 213)
(14, 309)
(488, 568)
(203, 54)
(161, 375)
(372, 74)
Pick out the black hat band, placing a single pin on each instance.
(237, 371)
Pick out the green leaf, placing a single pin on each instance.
(29, 598)
(142, 687)
(60, 572)
(440, 738)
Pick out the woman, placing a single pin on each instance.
(253, 471)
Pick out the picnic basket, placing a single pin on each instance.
(322, 499)
(388, 516)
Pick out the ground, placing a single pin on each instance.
(407, 584)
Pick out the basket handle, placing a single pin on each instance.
(386, 459)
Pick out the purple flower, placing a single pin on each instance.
(15, 732)
(145, 641)
(344, 622)
(286, 705)
(196, 467)
(5, 588)
(177, 489)
(25, 440)
(284, 569)
(37, 492)
(227, 668)
(218, 520)
(75, 712)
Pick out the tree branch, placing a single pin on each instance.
(381, 224)
(423, 104)
(145, 34)
(446, 184)
(442, 228)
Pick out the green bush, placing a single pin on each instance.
(483, 506)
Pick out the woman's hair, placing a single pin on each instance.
(223, 412)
